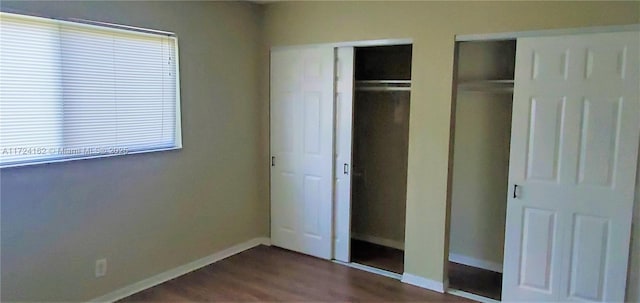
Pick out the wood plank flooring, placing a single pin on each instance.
(271, 274)
(475, 280)
(377, 256)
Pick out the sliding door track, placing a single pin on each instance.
(371, 269)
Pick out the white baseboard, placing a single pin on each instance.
(423, 282)
(471, 261)
(264, 241)
(180, 270)
(378, 240)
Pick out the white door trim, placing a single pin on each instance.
(358, 43)
(547, 33)
(343, 136)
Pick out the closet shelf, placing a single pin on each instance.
(382, 88)
(504, 86)
(383, 81)
(383, 85)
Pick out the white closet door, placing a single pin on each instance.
(344, 122)
(302, 149)
(573, 157)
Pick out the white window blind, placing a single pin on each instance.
(73, 90)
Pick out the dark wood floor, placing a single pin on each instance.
(475, 280)
(377, 256)
(272, 274)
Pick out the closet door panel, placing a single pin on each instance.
(302, 149)
(285, 162)
(343, 125)
(573, 153)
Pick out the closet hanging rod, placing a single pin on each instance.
(486, 82)
(384, 81)
(492, 91)
(383, 88)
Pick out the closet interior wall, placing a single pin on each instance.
(482, 129)
(380, 150)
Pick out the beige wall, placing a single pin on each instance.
(432, 26)
(151, 212)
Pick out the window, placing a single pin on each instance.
(71, 90)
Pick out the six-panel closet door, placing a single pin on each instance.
(344, 136)
(572, 168)
(301, 117)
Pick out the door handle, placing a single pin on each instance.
(515, 191)
(273, 160)
(345, 169)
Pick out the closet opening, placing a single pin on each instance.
(483, 78)
(380, 136)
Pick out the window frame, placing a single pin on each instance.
(117, 28)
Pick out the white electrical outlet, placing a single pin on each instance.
(101, 267)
